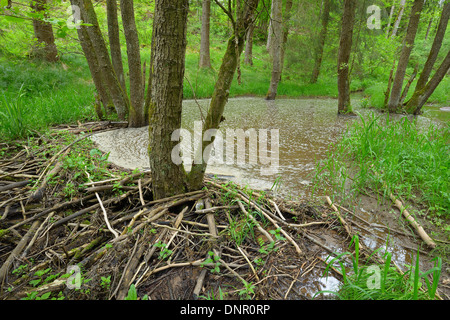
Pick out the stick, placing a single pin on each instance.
(343, 222)
(419, 229)
(17, 250)
(413, 222)
(258, 226)
(249, 263)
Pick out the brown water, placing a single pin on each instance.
(307, 129)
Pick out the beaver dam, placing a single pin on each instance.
(75, 226)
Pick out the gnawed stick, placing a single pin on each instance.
(343, 222)
(258, 226)
(17, 250)
(419, 229)
(249, 202)
(39, 193)
(248, 261)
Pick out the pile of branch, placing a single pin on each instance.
(217, 235)
(245, 243)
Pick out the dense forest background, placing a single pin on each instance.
(63, 91)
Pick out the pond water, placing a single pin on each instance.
(306, 129)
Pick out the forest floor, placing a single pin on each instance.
(65, 207)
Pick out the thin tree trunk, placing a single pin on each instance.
(205, 57)
(169, 30)
(270, 29)
(399, 18)
(222, 89)
(436, 47)
(397, 85)
(118, 97)
(420, 97)
(136, 117)
(114, 41)
(97, 77)
(408, 84)
(345, 47)
(286, 20)
(388, 90)
(43, 32)
(248, 58)
(391, 14)
(322, 37)
(277, 43)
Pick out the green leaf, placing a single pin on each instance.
(132, 293)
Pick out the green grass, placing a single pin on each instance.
(383, 281)
(413, 162)
(37, 95)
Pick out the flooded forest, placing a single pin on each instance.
(217, 152)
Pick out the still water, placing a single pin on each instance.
(307, 128)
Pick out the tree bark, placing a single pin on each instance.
(408, 44)
(399, 18)
(205, 57)
(43, 32)
(248, 58)
(118, 97)
(114, 41)
(390, 19)
(136, 116)
(169, 30)
(420, 97)
(286, 19)
(322, 37)
(270, 29)
(97, 77)
(277, 43)
(345, 47)
(436, 47)
(222, 89)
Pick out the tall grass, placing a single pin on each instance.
(383, 282)
(413, 161)
(37, 95)
(12, 117)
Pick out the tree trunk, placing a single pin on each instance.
(114, 41)
(399, 18)
(420, 97)
(345, 47)
(118, 97)
(437, 44)
(286, 19)
(222, 89)
(390, 19)
(169, 30)
(408, 84)
(270, 29)
(322, 37)
(397, 85)
(277, 43)
(136, 117)
(97, 77)
(43, 32)
(205, 57)
(248, 58)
